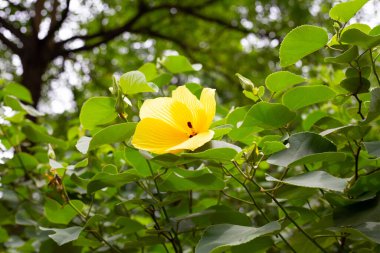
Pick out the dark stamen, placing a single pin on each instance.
(189, 125)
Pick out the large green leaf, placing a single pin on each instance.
(104, 179)
(18, 91)
(302, 145)
(346, 57)
(343, 12)
(365, 184)
(373, 148)
(97, 111)
(359, 38)
(14, 103)
(185, 180)
(24, 161)
(215, 150)
(37, 134)
(300, 42)
(138, 161)
(356, 85)
(59, 214)
(268, 116)
(112, 134)
(299, 97)
(374, 111)
(216, 214)
(149, 70)
(281, 80)
(370, 230)
(314, 179)
(177, 64)
(358, 213)
(64, 235)
(135, 82)
(219, 238)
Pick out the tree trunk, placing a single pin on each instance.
(35, 59)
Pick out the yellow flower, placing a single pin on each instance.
(173, 124)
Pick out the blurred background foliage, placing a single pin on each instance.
(66, 52)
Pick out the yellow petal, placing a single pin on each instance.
(168, 110)
(209, 105)
(195, 142)
(157, 136)
(183, 95)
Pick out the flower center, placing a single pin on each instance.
(193, 133)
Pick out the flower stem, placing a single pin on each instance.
(255, 203)
(175, 241)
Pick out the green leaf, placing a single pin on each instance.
(343, 12)
(270, 147)
(301, 41)
(370, 230)
(313, 118)
(18, 91)
(17, 105)
(149, 70)
(81, 164)
(37, 134)
(373, 148)
(128, 226)
(375, 31)
(282, 80)
(356, 85)
(268, 116)
(97, 111)
(135, 82)
(314, 179)
(3, 235)
(216, 214)
(301, 145)
(219, 238)
(113, 134)
(362, 27)
(365, 72)
(215, 150)
(103, 179)
(138, 161)
(357, 213)
(24, 161)
(346, 57)
(374, 112)
(359, 38)
(185, 180)
(65, 235)
(299, 97)
(365, 184)
(162, 79)
(59, 214)
(177, 64)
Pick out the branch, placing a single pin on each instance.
(37, 19)
(105, 36)
(17, 6)
(11, 45)
(210, 19)
(55, 26)
(16, 32)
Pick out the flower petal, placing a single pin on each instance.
(168, 110)
(209, 105)
(195, 142)
(157, 136)
(183, 95)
